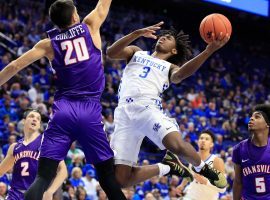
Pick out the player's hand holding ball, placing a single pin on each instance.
(215, 29)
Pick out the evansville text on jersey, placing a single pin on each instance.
(27, 154)
(256, 169)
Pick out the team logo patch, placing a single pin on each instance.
(156, 127)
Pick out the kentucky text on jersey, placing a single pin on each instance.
(71, 33)
(27, 154)
(256, 169)
(148, 63)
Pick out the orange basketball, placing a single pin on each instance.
(215, 23)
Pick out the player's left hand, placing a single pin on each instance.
(217, 42)
(200, 179)
(149, 32)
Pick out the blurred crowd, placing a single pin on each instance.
(218, 97)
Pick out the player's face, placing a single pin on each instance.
(257, 122)
(205, 142)
(166, 44)
(33, 121)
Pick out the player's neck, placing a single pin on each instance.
(160, 55)
(204, 154)
(259, 140)
(29, 137)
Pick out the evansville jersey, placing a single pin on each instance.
(195, 191)
(77, 63)
(145, 76)
(25, 164)
(255, 169)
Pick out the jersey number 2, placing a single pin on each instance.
(260, 185)
(81, 51)
(25, 166)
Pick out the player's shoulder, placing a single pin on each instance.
(12, 147)
(238, 146)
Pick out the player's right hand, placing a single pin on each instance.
(149, 32)
(47, 196)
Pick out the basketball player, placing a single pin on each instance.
(139, 112)
(251, 159)
(74, 50)
(201, 188)
(23, 158)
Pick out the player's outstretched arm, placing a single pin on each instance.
(178, 74)
(96, 18)
(8, 161)
(37, 52)
(121, 49)
(237, 183)
(61, 175)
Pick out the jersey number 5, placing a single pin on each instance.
(81, 51)
(260, 185)
(25, 166)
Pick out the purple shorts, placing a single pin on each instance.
(14, 194)
(79, 120)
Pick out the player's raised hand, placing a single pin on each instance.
(150, 31)
(217, 42)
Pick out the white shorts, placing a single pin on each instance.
(133, 122)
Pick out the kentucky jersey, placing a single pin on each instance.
(195, 191)
(145, 76)
(25, 165)
(255, 169)
(77, 63)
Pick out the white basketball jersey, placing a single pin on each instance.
(195, 191)
(144, 76)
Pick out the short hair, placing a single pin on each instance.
(183, 47)
(26, 113)
(265, 108)
(210, 133)
(61, 12)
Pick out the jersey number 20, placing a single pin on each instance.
(81, 51)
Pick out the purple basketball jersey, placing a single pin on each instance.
(255, 167)
(26, 164)
(77, 63)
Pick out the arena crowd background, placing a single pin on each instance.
(218, 97)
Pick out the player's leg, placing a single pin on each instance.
(174, 143)
(96, 147)
(126, 141)
(54, 148)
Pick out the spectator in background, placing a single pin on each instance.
(76, 177)
(11, 139)
(90, 184)
(73, 151)
(3, 191)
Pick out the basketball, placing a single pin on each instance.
(215, 23)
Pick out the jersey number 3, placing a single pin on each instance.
(145, 73)
(25, 166)
(260, 185)
(81, 51)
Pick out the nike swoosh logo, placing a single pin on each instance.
(245, 160)
(168, 128)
